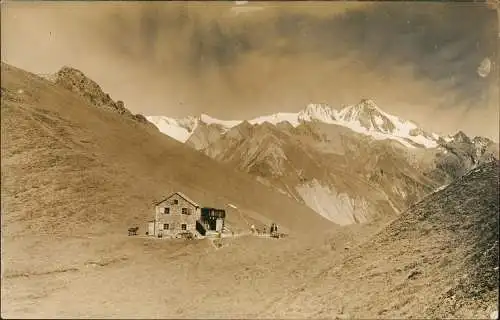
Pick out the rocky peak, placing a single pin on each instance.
(242, 130)
(284, 126)
(485, 148)
(317, 112)
(368, 104)
(461, 137)
(76, 81)
(481, 141)
(244, 124)
(189, 123)
(368, 115)
(266, 125)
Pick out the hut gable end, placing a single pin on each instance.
(176, 213)
(178, 196)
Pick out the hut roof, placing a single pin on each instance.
(182, 195)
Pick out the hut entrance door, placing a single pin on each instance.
(212, 224)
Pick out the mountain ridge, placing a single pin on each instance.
(310, 157)
(366, 118)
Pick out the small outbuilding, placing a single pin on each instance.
(213, 218)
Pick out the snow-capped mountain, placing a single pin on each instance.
(179, 129)
(318, 112)
(324, 158)
(365, 118)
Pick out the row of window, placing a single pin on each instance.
(166, 226)
(184, 211)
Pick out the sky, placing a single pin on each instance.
(435, 63)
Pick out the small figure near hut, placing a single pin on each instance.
(273, 229)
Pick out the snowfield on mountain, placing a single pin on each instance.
(365, 118)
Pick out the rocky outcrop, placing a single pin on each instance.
(74, 80)
(204, 135)
(461, 154)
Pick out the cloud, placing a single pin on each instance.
(412, 58)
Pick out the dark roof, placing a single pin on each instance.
(182, 195)
(212, 208)
(220, 213)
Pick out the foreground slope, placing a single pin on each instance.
(73, 163)
(438, 259)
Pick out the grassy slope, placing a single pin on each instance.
(74, 177)
(437, 260)
(69, 167)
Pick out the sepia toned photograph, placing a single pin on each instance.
(250, 159)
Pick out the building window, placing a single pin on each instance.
(176, 201)
(166, 210)
(183, 226)
(165, 226)
(185, 211)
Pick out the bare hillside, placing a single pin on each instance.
(340, 174)
(77, 170)
(438, 259)
(73, 166)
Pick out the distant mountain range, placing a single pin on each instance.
(351, 165)
(366, 118)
